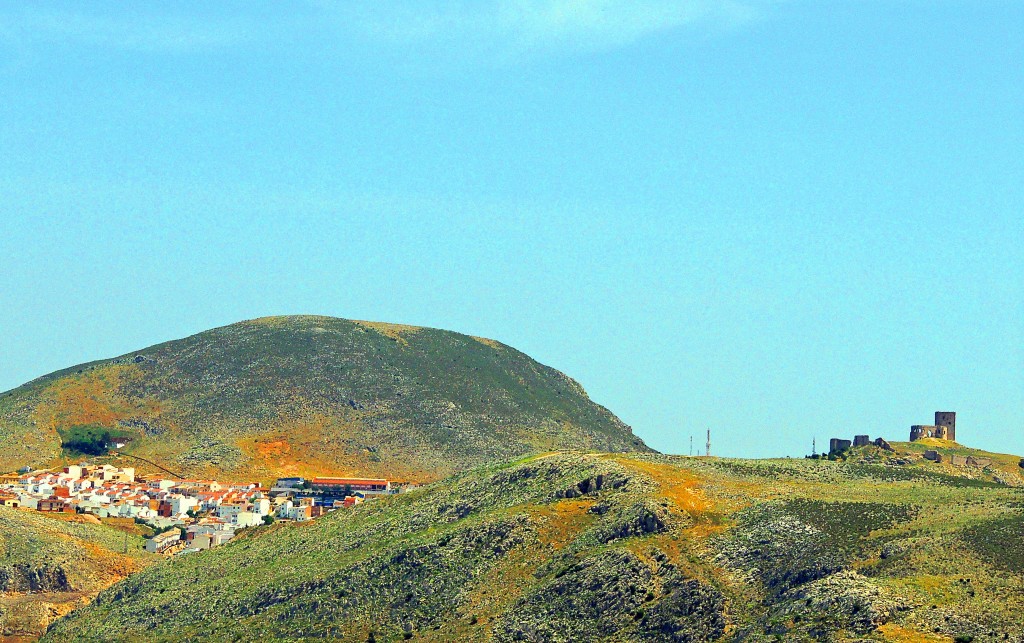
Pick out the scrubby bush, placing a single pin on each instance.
(88, 439)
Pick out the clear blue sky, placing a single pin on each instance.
(791, 219)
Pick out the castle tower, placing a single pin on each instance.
(948, 420)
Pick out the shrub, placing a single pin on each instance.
(89, 439)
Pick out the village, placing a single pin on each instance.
(186, 516)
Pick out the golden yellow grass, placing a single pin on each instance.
(679, 486)
(487, 342)
(688, 492)
(92, 398)
(284, 320)
(391, 331)
(314, 446)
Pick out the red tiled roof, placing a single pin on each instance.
(343, 481)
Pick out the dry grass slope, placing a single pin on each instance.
(614, 547)
(51, 564)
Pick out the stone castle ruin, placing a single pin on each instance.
(943, 429)
(957, 460)
(838, 445)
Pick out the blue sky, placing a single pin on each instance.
(785, 219)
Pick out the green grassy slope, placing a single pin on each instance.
(50, 564)
(618, 547)
(907, 459)
(301, 395)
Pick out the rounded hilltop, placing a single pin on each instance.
(304, 394)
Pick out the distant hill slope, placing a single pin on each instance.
(53, 563)
(620, 547)
(909, 456)
(302, 395)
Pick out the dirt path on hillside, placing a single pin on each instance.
(25, 616)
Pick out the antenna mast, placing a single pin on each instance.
(691, 445)
(708, 452)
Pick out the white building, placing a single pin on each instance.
(247, 519)
(261, 506)
(182, 504)
(228, 510)
(210, 535)
(110, 473)
(162, 542)
(161, 485)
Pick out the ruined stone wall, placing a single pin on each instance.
(838, 444)
(948, 420)
(919, 431)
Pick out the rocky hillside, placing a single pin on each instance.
(51, 564)
(309, 395)
(618, 547)
(910, 456)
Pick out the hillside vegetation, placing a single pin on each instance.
(51, 564)
(613, 547)
(906, 461)
(311, 395)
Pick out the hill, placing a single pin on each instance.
(908, 458)
(311, 395)
(53, 563)
(615, 547)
